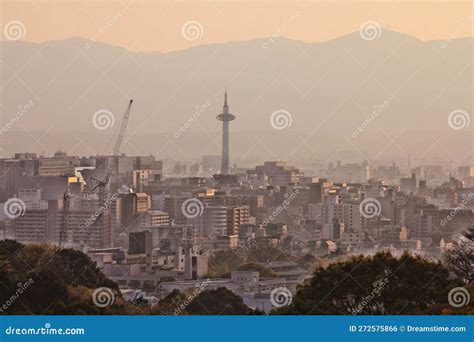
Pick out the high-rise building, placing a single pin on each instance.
(316, 193)
(213, 221)
(155, 218)
(237, 216)
(408, 185)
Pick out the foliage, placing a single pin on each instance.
(381, 284)
(61, 281)
(218, 302)
(264, 271)
(460, 259)
(222, 263)
(170, 304)
(208, 302)
(265, 255)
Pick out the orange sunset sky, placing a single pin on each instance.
(156, 25)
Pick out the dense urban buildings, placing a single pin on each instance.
(149, 231)
(153, 232)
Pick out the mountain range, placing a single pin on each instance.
(381, 98)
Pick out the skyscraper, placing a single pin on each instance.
(225, 117)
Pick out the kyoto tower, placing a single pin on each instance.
(225, 117)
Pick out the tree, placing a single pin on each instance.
(264, 255)
(469, 233)
(208, 302)
(171, 304)
(460, 259)
(381, 284)
(264, 271)
(60, 281)
(222, 263)
(218, 302)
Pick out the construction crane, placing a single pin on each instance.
(123, 127)
(62, 232)
(102, 185)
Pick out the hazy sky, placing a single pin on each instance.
(146, 25)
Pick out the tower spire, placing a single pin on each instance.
(225, 117)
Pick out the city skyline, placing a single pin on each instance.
(237, 158)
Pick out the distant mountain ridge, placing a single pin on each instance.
(329, 88)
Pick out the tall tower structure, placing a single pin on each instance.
(225, 117)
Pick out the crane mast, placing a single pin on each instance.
(123, 127)
(66, 199)
(103, 195)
